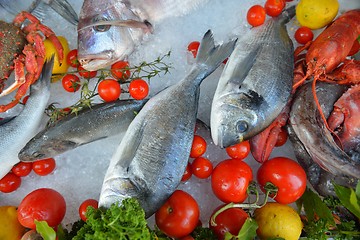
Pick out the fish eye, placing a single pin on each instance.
(241, 126)
(101, 28)
(38, 155)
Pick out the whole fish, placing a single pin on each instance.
(101, 121)
(110, 30)
(153, 154)
(255, 84)
(310, 129)
(15, 133)
(39, 8)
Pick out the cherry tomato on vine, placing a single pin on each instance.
(84, 205)
(120, 70)
(287, 175)
(201, 167)
(179, 215)
(22, 169)
(355, 47)
(187, 174)
(198, 147)
(239, 150)
(193, 47)
(71, 82)
(256, 15)
(230, 180)
(43, 204)
(274, 8)
(9, 183)
(282, 138)
(109, 90)
(44, 167)
(303, 35)
(138, 89)
(72, 59)
(85, 73)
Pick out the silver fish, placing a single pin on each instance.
(39, 8)
(89, 125)
(15, 133)
(310, 129)
(255, 84)
(152, 157)
(110, 30)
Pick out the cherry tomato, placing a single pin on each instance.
(201, 167)
(120, 70)
(9, 183)
(86, 74)
(179, 215)
(355, 48)
(240, 150)
(72, 59)
(71, 82)
(303, 35)
(44, 167)
(287, 175)
(273, 8)
(282, 138)
(22, 169)
(43, 204)
(84, 205)
(256, 15)
(25, 99)
(193, 47)
(138, 89)
(109, 90)
(187, 174)
(231, 220)
(230, 180)
(198, 147)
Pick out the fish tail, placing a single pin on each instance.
(288, 14)
(44, 80)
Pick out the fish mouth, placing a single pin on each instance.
(95, 62)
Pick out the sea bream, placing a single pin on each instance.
(153, 154)
(88, 125)
(110, 30)
(16, 132)
(255, 84)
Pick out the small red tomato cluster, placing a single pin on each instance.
(256, 14)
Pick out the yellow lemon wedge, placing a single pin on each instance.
(316, 14)
(50, 50)
(10, 228)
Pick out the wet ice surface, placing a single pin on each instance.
(79, 173)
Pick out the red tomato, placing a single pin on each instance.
(86, 74)
(274, 8)
(44, 167)
(198, 147)
(187, 173)
(72, 59)
(120, 70)
(109, 90)
(240, 150)
(9, 183)
(355, 48)
(231, 220)
(22, 169)
(230, 180)
(179, 215)
(201, 167)
(43, 204)
(303, 35)
(71, 82)
(287, 175)
(138, 89)
(193, 47)
(84, 205)
(256, 15)
(282, 138)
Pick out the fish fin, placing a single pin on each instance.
(40, 11)
(65, 10)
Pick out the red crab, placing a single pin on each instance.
(22, 48)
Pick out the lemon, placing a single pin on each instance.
(316, 14)
(50, 50)
(10, 228)
(278, 220)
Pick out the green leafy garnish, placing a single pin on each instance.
(349, 198)
(247, 231)
(45, 230)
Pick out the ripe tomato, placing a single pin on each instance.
(256, 15)
(84, 205)
(201, 167)
(71, 82)
(282, 138)
(9, 183)
(193, 47)
(231, 220)
(22, 169)
(187, 174)
(179, 215)
(120, 70)
(273, 8)
(109, 90)
(198, 147)
(240, 150)
(303, 35)
(44, 167)
(43, 204)
(138, 89)
(287, 175)
(355, 48)
(86, 74)
(230, 180)
(72, 59)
